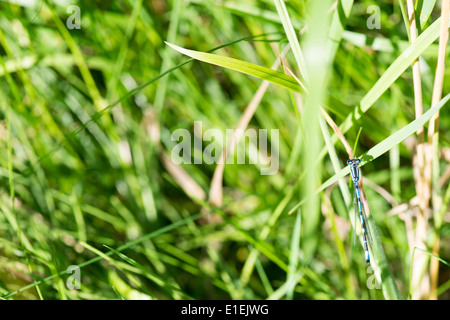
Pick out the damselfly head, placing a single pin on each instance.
(353, 161)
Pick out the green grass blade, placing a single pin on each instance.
(428, 253)
(425, 7)
(243, 67)
(171, 35)
(319, 68)
(405, 16)
(292, 37)
(294, 256)
(356, 142)
(337, 29)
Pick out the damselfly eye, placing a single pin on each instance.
(358, 161)
(349, 162)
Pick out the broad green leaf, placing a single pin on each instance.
(243, 67)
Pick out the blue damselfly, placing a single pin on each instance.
(354, 172)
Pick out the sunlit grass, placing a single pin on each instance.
(86, 118)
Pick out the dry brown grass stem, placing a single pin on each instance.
(421, 184)
(433, 137)
(338, 132)
(150, 123)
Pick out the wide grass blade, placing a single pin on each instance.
(243, 67)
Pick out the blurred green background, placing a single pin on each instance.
(70, 185)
